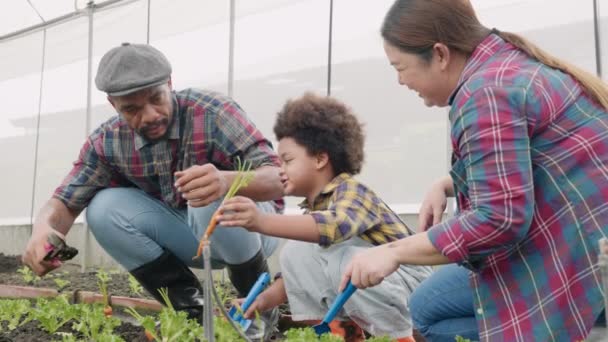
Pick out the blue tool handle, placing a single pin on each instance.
(259, 285)
(337, 305)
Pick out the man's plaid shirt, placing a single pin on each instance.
(206, 127)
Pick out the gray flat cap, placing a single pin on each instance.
(131, 67)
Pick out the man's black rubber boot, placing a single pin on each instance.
(184, 289)
(244, 276)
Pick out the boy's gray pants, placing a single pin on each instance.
(312, 276)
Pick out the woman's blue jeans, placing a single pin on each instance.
(134, 228)
(442, 306)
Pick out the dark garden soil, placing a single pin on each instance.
(86, 281)
(30, 332)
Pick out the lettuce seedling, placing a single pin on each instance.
(53, 314)
(134, 286)
(28, 276)
(93, 323)
(61, 283)
(12, 311)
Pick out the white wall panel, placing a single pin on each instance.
(20, 95)
(406, 147)
(280, 53)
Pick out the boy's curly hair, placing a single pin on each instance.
(323, 124)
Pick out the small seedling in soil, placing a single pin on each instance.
(174, 325)
(12, 311)
(462, 339)
(67, 337)
(147, 322)
(308, 334)
(28, 276)
(95, 324)
(134, 286)
(61, 283)
(53, 314)
(104, 278)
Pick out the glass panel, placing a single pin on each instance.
(20, 88)
(603, 36)
(279, 54)
(16, 15)
(56, 8)
(566, 30)
(62, 123)
(197, 44)
(406, 146)
(113, 26)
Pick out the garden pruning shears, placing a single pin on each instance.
(57, 249)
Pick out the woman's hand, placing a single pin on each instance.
(239, 211)
(370, 267)
(434, 204)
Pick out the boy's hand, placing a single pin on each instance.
(273, 296)
(239, 211)
(260, 305)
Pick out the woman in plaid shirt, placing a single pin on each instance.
(530, 173)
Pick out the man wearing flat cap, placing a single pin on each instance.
(152, 177)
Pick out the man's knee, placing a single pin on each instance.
(101, 207)
(112, 207)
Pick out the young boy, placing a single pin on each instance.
(321, 148)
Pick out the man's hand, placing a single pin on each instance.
(201, 185)
(37, 248)
(240, 211)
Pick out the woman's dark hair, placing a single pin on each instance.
(323, 124)
(414, 26)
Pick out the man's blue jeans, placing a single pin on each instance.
(134, 228)
(442, 306)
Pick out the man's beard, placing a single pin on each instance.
(143, 131)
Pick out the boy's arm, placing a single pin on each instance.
(240, 211)
(293, 227)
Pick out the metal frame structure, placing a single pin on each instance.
(92, 7)
(597, 38)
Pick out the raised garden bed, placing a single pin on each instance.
(71, 300)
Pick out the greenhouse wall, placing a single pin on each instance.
(261, 53)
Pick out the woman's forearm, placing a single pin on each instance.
(417, 249)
